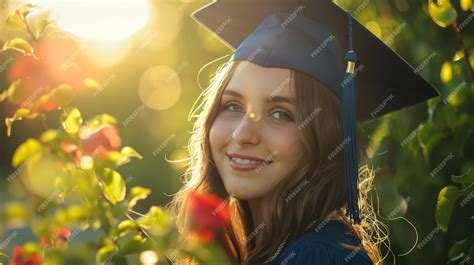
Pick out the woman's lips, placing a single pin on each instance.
(246, 167)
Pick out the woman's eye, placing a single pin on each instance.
(233, 107)
(280, 115)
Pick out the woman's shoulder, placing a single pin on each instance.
(330, 244)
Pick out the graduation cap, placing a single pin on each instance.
(322, 40)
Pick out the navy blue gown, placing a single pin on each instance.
(323, 247)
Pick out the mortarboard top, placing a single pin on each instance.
(312, 37)
(383, 73)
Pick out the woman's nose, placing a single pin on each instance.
(248, 130)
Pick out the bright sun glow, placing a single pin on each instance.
(104, 21)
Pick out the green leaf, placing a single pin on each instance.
(433, 104)
(15, 21)
(451, 72)
(135, 244)
(26, 150)
(136, 194)
(153, 215)
(116, 159)
(446, 199)
(113, 185)
(461, 247)
(471, 56)
(48, 136)
(17, 92)
(5, 94)
(104, 217)
(25, 9)
(113, 159)
(442, 13)
(105, 253)
(92, 84)
(18, 116)
(130, 152)
(119, 209)
(448, 117)
(466, 5)
(19, 44)
(41, 101)
(465, 178)
(30, 249)
(428, 138)
(76, 213)
(15, 211)
(156, 220)
(471, 252)
(63, 95)
(40, 25)
(458, 95)
(126, 227)
(467, 174)
(102, 119)
(72, 121)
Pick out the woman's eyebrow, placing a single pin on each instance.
(271, 98)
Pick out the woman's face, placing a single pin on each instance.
(255, 120)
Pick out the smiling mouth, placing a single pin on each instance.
(248, 162)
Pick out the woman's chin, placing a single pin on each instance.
(244, 192)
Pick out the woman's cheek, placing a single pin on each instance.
(282, 137)
(285, 144)
(295, 146)
(221, 131)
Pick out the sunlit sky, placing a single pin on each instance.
(104, 21)
(109, 29)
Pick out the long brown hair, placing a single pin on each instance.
(285, 215)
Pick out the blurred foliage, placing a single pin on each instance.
(423, 155)
(72, 173)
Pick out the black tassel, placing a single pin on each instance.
(351, 168)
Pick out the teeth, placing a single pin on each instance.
(245, 161)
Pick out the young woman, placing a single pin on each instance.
(271, 139)
(290, 124)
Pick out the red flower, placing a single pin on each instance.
(208, 214)
(71, 149)
(54, 62)
(22, 258)
(100, 141)
(58, 237)
(34, 82)
(29, 68)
